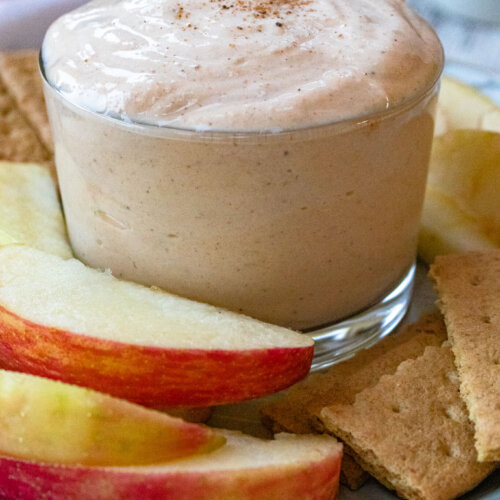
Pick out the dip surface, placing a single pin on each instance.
(241, 64)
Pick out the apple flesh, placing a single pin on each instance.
(465, 165)
(461, 210)
(30, 212)
(446, 229)
(462, 106)
(48, 421)
(246, 468)
(65, 321)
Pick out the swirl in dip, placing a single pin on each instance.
(265, 156)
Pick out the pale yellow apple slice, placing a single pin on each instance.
(446, 229)
(30, 212)
(6, 238)
(288, 468)
(462, 106)
(465, 165)
(441, 125)
(491, 120)
(48, 421)
(462, 208)
(63, 320)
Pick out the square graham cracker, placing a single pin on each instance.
(469, 289)
(295, 411)
(21, 75)
(18, 141)
(411, 431)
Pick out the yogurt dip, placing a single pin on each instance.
(267, 157)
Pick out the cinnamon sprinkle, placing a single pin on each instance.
(264, 8)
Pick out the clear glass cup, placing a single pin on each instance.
(313, 228)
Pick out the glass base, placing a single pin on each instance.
(340, 341)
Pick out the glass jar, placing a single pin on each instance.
(302, 228)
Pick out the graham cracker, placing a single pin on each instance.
(469, 290)
(411, 431)
(18, 141)
(296, 410)
(21, 75)
(351, 474)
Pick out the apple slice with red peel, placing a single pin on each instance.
(48, 421)
(246, 468)
(66, 321)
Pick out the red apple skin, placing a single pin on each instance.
(151, 376)
(21, 480)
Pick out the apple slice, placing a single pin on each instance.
(462, 106)
(441, 122)
(288, 468)
(66, 321)
(465, 165)
(30, 212)
(491, 120)
(48, 421)
(446, 229)
(461, 209)
(6, 238)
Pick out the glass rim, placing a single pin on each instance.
(354, 120)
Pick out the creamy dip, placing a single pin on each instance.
(240, 64)
(298, 228)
